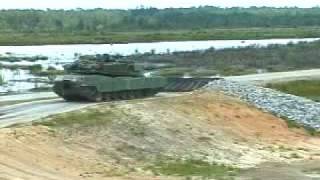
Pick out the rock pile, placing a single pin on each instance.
(299, 109)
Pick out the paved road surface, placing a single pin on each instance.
(29, 96)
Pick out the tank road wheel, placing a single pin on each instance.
(131, 94)
(98, 97)
(114, 96)
(149, 92)
(93, 94)
(154, 92)
(124, 95)
(69, 98)
(107, 97)
(145, 93)
(138, 94)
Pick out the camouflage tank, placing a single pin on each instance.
(106, 80)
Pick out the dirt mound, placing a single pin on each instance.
(122, 139)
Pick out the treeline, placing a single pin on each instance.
(102, 21)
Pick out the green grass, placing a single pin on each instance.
(305, 88)
(92, 117)
(152, 36)
(191, 168)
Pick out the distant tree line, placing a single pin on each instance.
(102, 21)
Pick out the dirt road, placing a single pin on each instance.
(29, 96)
(26, 112)
(29, 111)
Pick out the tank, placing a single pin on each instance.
(105, 80)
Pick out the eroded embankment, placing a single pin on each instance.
(301, 110)
(140, 139)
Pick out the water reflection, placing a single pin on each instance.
(18, 80)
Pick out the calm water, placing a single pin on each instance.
(62, 54)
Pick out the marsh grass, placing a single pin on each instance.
(88, 118)
(14, 38)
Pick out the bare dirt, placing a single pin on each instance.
(202, 125)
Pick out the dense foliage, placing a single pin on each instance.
(100, 20)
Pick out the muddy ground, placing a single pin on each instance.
(126, 140)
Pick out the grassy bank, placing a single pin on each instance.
(304, 88)
(154, 36)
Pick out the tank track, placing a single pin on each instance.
(96, 96)
(174, 85)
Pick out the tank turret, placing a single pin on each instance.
(108, 67)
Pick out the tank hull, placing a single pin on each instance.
(103, 88)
